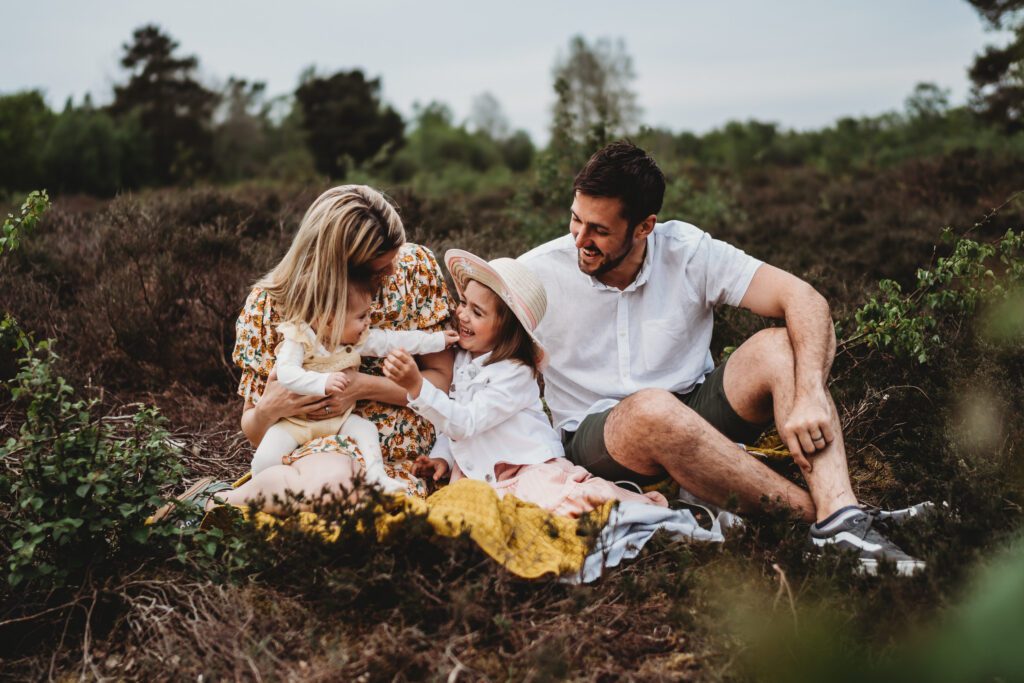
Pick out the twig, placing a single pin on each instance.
(87, 636)
(991, 214)
(784, 586)
(36, 615)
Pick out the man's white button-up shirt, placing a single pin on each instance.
(604, 343)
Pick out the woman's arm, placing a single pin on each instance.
(436, 367)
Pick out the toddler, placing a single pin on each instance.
(304, 365)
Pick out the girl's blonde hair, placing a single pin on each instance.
(343, 230)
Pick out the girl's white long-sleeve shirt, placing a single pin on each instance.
(300, 350)
(492, 415)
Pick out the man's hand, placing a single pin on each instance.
(808, 429)
(337, 382)
(425, 466)
(451, 337)
(400, 368)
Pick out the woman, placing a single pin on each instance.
(412, 295)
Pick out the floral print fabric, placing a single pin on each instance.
(414, 298)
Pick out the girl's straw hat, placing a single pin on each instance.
(514, 283)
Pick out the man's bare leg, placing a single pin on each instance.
(759, 383)
(652, 431)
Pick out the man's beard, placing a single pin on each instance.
(608, 264)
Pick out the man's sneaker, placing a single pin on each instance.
(903, 515)
(850, 529)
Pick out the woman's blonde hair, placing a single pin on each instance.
(343, 230)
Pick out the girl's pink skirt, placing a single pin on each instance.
(561, 487)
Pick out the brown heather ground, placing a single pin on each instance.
(142, 293)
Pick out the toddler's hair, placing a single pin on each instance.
(362, 281)
(343, 230)
(514, 342)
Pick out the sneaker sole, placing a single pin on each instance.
(903, 567)
(869, 567)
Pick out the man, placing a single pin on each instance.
(631, 382)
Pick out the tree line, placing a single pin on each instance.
(165, 127)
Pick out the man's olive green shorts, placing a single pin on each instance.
(586, 446)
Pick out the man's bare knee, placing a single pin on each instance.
(757, 371)
(650, 419)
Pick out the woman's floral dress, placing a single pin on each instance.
(414, 298)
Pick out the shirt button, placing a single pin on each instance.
(489, 478)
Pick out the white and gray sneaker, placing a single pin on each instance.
(925, 510)
(850, 529)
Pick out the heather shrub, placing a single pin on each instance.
(76, 487)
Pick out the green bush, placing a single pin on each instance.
(15, 227)
(908, 325)
(89, 151)
(25, 123)
(76, 488)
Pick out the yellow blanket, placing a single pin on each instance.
(525, 539)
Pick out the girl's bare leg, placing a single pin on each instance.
(319, 475)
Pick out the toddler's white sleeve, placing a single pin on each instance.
(382, 342)
(291, 374)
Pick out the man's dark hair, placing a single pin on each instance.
(623, 171)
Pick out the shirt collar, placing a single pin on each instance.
(478, 361)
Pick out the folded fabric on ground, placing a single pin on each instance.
(628, 529)
(525, 539)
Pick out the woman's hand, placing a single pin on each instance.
(337, 400)
(425, 466)
(277, 402)
(400, 368)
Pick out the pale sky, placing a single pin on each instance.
(699, 64)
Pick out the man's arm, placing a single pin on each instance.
(774, 293)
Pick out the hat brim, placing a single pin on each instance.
(465, 267)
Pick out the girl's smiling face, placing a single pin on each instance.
(477, 314)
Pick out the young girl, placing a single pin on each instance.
(306, 366)
(492, 426)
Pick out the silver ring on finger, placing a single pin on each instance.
(327, 409)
